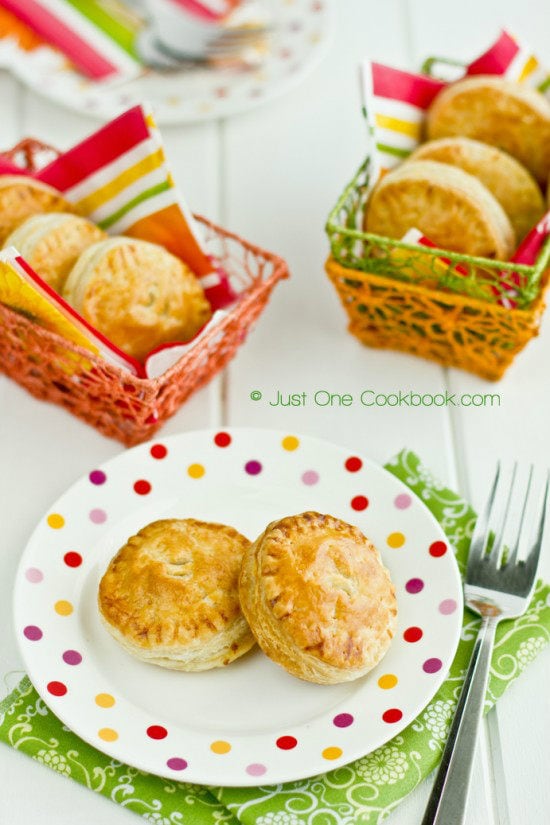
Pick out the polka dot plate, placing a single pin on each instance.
(250, 723)
(300, 32)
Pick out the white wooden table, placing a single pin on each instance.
(272, 176)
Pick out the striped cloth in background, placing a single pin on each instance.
(395, 101)
(97, 38)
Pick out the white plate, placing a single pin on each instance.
(301, 30)
(250, 723)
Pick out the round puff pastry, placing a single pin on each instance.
(452, 208)
(52, 243)
(497, 111)
(21, 197)
(512, 185)
(318, 598)
(170, 595)
(137, 294)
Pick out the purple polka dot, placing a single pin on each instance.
(256, 769)
(98, 516)
(414, 586)
(343, 720)
(447, 606)
(97, 477)
(32, 633)
(310, 477)
(72, 657)
(432, 665)
(402, 501)
(176, 764)
(253, 468)
(34, 575)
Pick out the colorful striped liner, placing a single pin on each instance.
(97, 42)
(395, 102)
(120, 179)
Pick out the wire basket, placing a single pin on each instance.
(442, 305)
(108, 397)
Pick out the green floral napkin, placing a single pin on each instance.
(362, 792)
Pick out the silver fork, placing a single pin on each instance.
(496, 587)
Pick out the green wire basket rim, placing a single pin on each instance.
(333, 225)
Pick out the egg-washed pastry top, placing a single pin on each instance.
(318, 598)
(21, 197)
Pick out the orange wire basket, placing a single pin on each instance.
(109, 398)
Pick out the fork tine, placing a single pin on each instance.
(532, 559)
(513, 557)
(496, 548)
(477, 544)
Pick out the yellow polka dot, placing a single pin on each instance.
(55, 521)
(63, 608)
(105, 700)
(290, 442)
(332, 753)
(396, 540)
(220, 746)
(387, 681)
(196, 470)
(108, 734)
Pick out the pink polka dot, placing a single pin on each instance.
(402, 501)
(414, 586)
(310, 477)
(176, 764)
(256, 769)
(432, 665)
(32, 633)
(97, 477)
(447, 606)
(98, 516)
(34, 575)
(253, 468)
(343, 720)
(72, 657)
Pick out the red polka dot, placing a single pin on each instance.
(392, 715)
(157, 732)
(438, 548)
(159, 451)
(413, 634)
(57, 688)
(72, 559)
(359, 503)
(353, 464)
(222, 439)
(142, 487)
(286, 743)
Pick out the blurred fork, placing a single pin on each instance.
(496, 587)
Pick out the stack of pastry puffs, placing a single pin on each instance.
(134, 292)
(476, 185)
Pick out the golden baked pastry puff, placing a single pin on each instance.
(137, 294)
(170, 595)
(318, 598)
(21, 197)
